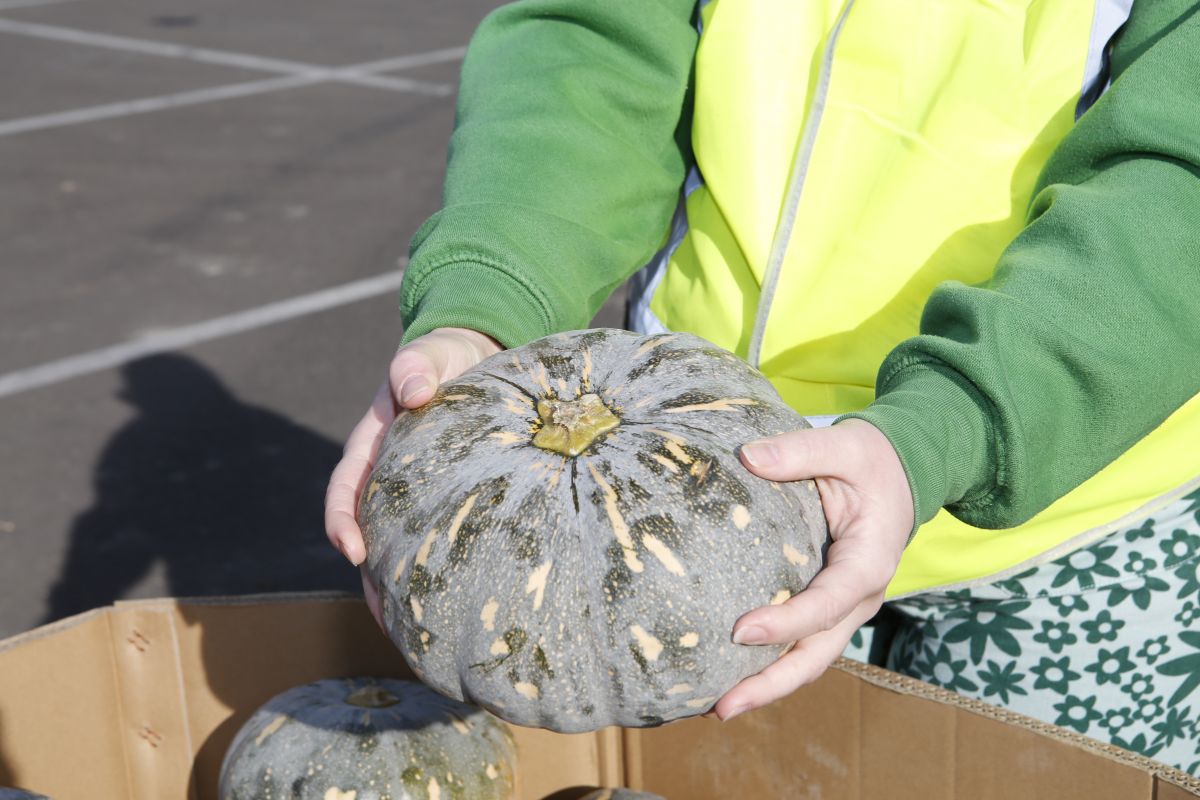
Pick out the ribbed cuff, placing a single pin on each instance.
(942, 431)
(475, 295)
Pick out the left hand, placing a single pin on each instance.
(869, 508)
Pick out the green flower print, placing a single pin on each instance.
(1191, 580)
(1117, 719)
(1085, 566)
(1054, 675)
(1140, 684)
(1077, 713)
(1056, 636)
(1149, 708)
(856, 639)
(1154, 649)
(1014, 585)
(1138, 563)
(941, 669)
(1069, 604)
(1103, 628)
(1145, 531)
(1173, 726)
(1188, 614)
(1187, 666)
(991, 623)
(1001, 681)
(1111, 666)
(1178, 546)
(1138, 589)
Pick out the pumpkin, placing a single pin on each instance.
(368, 739)
(565, 536)
(620, 794)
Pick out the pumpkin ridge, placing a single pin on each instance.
(511, 383)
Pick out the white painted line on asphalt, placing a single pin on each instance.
(147, 104)
(11, 5)
(352, 76)
(357, 74)
(148, 47)
(415, 60)
(65, 369)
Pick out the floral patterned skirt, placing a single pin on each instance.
(1105, 640)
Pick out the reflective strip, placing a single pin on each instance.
(783, 233)
(1109, 17)
(638, 316)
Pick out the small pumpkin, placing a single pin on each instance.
(565, 535)
(621, 794)
(368, 738)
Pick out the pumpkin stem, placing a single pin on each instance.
(372, 697)
(570, 426)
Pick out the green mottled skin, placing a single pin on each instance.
(336, 734)
(623, 567)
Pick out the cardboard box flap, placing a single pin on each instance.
(862, 732)
(973, 727)
(61, 720)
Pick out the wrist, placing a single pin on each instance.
(940, 429)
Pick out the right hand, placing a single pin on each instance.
(413, 376)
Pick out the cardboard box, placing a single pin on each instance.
(140, 701)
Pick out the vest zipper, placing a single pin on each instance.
(783, 232)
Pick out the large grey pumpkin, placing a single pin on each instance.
(620, 794)
(565, 536)
(368, 739)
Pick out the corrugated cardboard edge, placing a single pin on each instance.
(52, 628)
(885, 679)
(269, 598)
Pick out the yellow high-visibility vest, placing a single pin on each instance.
(850, 156)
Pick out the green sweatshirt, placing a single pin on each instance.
(566, 163)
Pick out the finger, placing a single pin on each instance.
(808, 453)
(350, 475)
(428, 361)
(853, 573)
(414, 373)
(806, 662)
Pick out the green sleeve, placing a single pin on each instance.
(565, 166)
(1088, 336)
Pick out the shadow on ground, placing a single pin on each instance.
(224, 497)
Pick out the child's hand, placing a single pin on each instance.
(869, 508)
(413, 377)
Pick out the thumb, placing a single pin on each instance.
(809, 453)
(414, 372)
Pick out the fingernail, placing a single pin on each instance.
(760, 454)
(345, 551)
(736, 710)
(750, 634)
(412, 384)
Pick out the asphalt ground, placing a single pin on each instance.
(202, 212)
